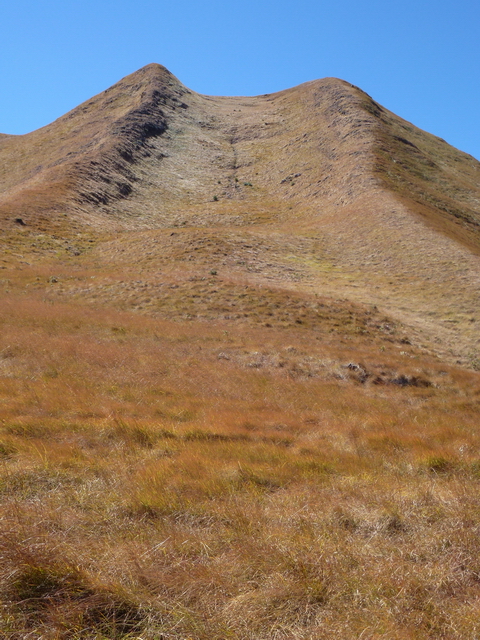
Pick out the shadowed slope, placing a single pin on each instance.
(86, 157)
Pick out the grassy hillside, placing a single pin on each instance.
(239, 371)
(347, 199)
(229, 461)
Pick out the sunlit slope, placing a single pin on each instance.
(239, 371)
(316, 189)
(148, 141)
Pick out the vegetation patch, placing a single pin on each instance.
(59, 598)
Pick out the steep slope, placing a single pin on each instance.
(150, 141)
(233, 396)
(313, 190)
(85, 157)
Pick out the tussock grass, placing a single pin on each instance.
(53, 597)
(154, 483)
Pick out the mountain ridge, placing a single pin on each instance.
(121, 119)
(386, 214)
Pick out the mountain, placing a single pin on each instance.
(335, 194)
(239, 370)
(149, 140)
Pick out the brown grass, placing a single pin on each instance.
(318, 189)
(250, 417)
(190, 480)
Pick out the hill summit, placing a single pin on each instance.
(358, 202)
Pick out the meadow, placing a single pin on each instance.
(223, 479)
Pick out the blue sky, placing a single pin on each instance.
(419, 59)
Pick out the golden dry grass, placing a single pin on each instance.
(249, 417)
(211, 480)
(334, 194)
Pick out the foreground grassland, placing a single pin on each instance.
(237, 479)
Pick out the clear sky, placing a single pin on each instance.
(418, 58)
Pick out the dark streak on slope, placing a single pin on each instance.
(87, 155)
(344, 143)
(110, 178)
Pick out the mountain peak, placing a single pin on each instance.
(322, 165)
(150, 72)
(149, 134)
